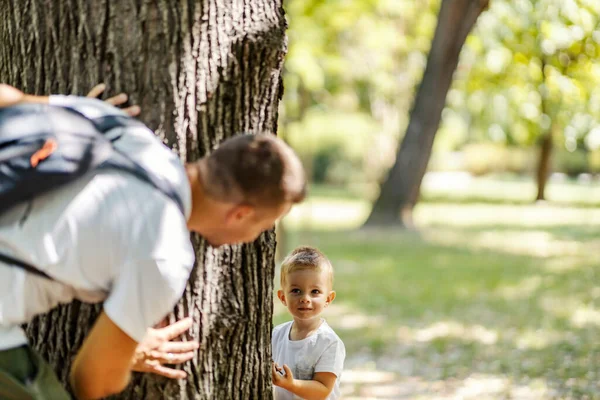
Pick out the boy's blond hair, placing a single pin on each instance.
(303, 258)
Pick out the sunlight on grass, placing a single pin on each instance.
(534, 243)
(568, 263)
(347, 319)
(522, 290)
(366, 376)
(562, 307)
(474, 387)
(504, 215)
(537, 339)
(586, 316)
(447, 329)
(492, 387)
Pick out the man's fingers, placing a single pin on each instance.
(288, 371)
(169, 372)
(118, 99)
(175, 358)
(133, 111)
(97, 90)
(179, 347)
(176, 329)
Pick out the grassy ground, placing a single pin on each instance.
(487, 301)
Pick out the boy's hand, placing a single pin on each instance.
(158, 348)
(283, 381)
(117, 100)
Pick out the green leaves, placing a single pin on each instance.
(540, 56)
(529, 65)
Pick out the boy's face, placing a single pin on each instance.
(306, 293)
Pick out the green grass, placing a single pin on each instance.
(482, 294)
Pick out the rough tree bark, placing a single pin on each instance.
(201, 70)
(400, 191)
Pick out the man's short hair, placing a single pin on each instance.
(306, 258)
(259, 170)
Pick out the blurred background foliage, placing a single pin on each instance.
(528, 68)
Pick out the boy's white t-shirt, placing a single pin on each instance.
(323, 351)
(105, 237)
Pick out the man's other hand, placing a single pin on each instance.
(159, 348)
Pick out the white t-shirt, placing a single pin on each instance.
(106, 237)
(323, 351)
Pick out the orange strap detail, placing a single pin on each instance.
(43, 153)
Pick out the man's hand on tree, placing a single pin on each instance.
(159, 348)
(116, 101)
(10, 96)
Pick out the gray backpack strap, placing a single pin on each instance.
(106, 117)
(23, 265)
(122, 162)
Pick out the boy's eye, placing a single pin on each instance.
(316, 291)
(295, 291)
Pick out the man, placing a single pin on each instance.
(111, 237)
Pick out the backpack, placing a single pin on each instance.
(45, 147)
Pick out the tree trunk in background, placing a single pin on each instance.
(543, 169)
(400, 191)
(201, 71)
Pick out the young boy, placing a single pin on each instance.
(311, 354)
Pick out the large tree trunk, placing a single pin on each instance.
(400, 191)
(201, 70)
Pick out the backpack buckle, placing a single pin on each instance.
(47, 149)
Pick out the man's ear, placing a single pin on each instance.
(330, 297)
(240, 213)
(281, 296)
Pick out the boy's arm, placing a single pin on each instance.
(316, 389)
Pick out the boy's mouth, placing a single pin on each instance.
(304, 309)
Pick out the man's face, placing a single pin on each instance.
(244, 224)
